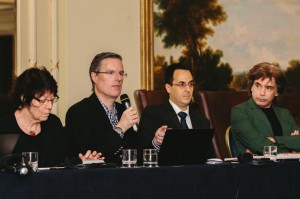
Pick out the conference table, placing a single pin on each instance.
(227, 180)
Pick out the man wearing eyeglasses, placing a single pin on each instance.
(176, 113)
(98, 123)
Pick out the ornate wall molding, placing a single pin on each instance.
(32, 33)
(147, 44)
(18, 39)
(54, 44)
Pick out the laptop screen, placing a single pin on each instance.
(7, 143)
(185, 147)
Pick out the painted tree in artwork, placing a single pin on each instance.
(187, 24)
(293, 75)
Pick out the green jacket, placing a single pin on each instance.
(250, 127)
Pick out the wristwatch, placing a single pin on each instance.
(118, 130)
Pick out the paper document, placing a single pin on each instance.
(92, 161)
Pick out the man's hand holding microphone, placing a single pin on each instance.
(130, 117)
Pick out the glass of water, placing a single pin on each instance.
(150, 158)
(129, 157)
(270, 152)
(33, 160)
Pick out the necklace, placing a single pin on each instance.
(25, 128)
(32, 133)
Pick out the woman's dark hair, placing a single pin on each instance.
(267, 70)
(33, 82)
(96, 62)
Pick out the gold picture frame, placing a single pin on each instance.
(147, 40)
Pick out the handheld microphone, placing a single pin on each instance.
(126, 103)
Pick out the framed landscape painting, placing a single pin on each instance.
(220, 40)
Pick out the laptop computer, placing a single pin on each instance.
(185, 147)
(7, 143)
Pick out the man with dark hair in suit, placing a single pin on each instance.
(259, 122)
(176, 113)
(98, 123)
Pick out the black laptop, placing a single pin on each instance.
(185, 147)
(7, 143)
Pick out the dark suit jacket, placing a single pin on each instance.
(158, 115)
(250, 127)
(88, 128)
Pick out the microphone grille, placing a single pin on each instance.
(124, 97)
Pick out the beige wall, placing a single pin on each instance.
(85, 28)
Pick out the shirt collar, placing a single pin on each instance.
(177, 109)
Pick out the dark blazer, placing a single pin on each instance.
(250, 127)
(88, 128)
(156, 116)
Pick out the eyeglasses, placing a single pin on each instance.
(113, 73)
(183, 84)
(45, 101)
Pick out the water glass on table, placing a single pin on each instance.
(129, 157)
(270, 152)
(32, 159)
(150, 158)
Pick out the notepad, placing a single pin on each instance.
(93, 161)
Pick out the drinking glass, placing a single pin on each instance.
(33, 160)
(129, 157)
(270, 152)
(150, 158)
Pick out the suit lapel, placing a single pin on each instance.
(172, 115)
(100, 112)
(195, 123)
(259, 116)
(282, 118)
